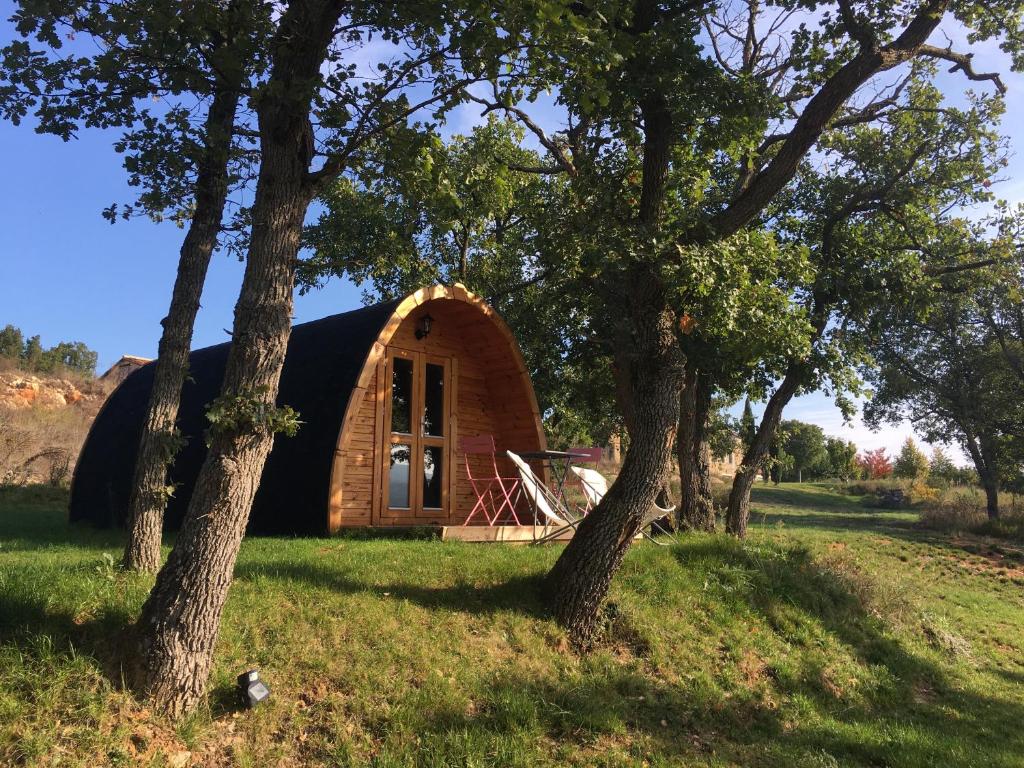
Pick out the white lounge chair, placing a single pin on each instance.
(543, 498)
(595, 486)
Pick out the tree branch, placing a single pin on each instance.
(546, 141)
(962, 62)
(816, 116)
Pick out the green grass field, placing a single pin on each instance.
(835, 636)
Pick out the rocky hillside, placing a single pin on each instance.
(19, 391)
(43, 422)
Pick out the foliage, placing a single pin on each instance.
(246, 412)
(146, 72)
(842, 458)
(941, 469)
(747, 425)
(721, 434)
(805, 443)
(30, 355)
(868, 487)
(912, 463)
(946, 368)
(778, 463)
(962, 510)
(12, 342)
(875, 464)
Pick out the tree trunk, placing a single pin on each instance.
(579, 581)
(181, 618)
(753, 459)
(697, 508)
(982, 450)
(990, 479)
(159, 435)
(627, 409)
(991, 498)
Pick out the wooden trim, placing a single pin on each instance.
(377, 489)
(453, 439)
(377, 353)
(444, 441)
(400, 438)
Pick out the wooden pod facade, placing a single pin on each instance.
(383, 406)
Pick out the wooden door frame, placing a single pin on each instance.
(416, 439)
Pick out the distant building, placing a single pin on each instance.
(727, 465)
(119, 371)
(724, 467)
(612, 452)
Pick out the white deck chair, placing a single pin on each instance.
(595, 486)
(543, 498)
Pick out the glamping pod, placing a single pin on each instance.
(384, 393)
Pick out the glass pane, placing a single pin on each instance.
(401, 396)
(398, 477)
(433, 402)
(433, 476)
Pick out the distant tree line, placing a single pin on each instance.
(803, 452)
(29, 354)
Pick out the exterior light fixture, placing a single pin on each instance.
(423, 329)
(251, 689)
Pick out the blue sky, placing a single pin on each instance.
(68, 274)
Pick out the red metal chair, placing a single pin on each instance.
(493, 494)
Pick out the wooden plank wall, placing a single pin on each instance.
(491, 398)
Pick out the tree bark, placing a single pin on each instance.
(180, 620)
(580, 579)
(982, 450)
(627, 408)
(159, 435)
(753, 459)
(697, 507)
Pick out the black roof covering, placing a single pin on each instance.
(320, 369)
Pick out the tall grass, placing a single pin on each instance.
(962, 510)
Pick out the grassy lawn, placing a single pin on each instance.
(835, 636)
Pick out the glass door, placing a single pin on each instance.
(416, 414)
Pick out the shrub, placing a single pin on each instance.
(720, 493)
(867, 487)
(962, 510)
(38, 445)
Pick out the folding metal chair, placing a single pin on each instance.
(543, 499)
(493, 494)
(595, 486)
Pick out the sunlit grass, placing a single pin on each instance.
(837, 635)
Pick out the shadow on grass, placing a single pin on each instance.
(609, 713)
(36, 515)
(35, 629)
(692, 718)
(599, 706)
(955, 543)
(805, 496)
(519, 594)
(774, 583)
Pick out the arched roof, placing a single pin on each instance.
(327, 368)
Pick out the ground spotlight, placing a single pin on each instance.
(251, 689)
